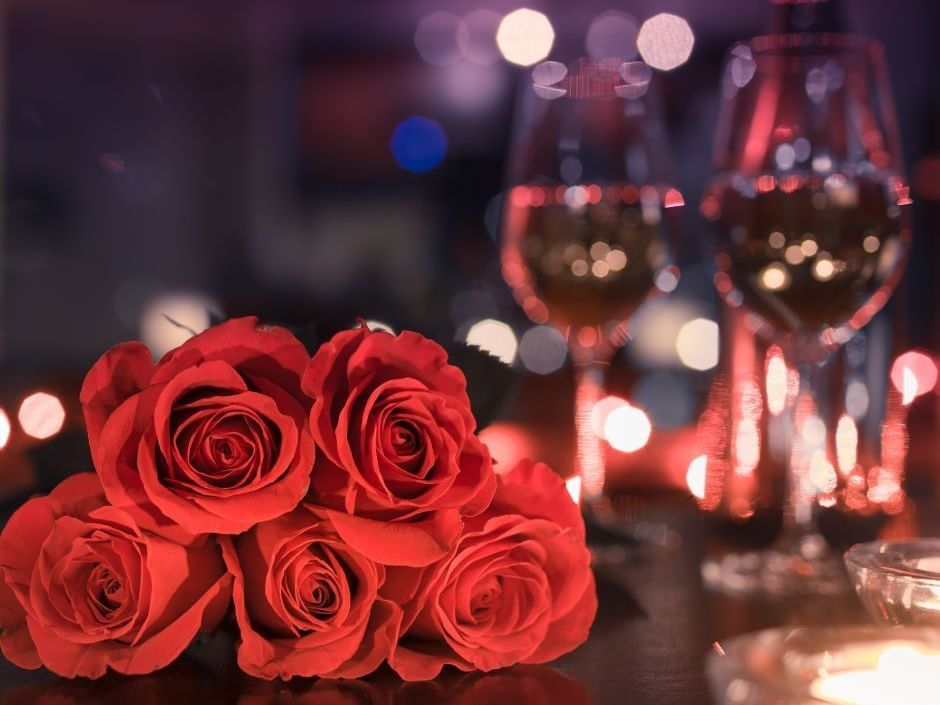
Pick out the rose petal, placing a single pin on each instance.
(256, 350)
(121, 372)
(536, 491)
(416, 543)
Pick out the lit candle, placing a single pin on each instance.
(903, 676)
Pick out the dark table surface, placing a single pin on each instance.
(654, 630)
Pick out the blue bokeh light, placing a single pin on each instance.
(418, 144)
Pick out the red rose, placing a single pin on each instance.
(89, 590)
(516, 588)
(306, 603)
(400, 464)
(212, 439)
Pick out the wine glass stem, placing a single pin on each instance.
(589, 452)
(800, 531)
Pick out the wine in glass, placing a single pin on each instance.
(587, 220)
(809, 207)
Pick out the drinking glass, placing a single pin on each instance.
(587, 220)
(810, 213)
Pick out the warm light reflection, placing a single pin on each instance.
(695, 476)
(494, 337)
(665, 41)
(913, 374)
(746, 446)
(4, 429)
(627, 428)
(902, 675)
(846, 444)
(41, 415)
(697, 344)
(821, 472)
(776, 381)
(525, 37)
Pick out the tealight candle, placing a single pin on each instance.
(902, 675)
(828, 666)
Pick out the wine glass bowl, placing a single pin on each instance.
(586, 226)
(807, 200)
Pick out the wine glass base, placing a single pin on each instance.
(776, 573)
(615, 540)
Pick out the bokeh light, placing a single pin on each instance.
(441, 38)
(573, 485)
(655, 328)
(602, 410)
(627, 428)
(846, 444)
(698, 344)
(612, 34)
(525, 37)
(4, 429)
(913, 373)
(775, 383)
(494, 337)
(665, 41)
(418, 144)
(379, 326)
(41, 415)
(480, 47)
(543, 349)
(695, 476)
(170, 320)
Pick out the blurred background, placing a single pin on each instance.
(313, 162)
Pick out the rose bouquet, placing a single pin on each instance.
(338, 509)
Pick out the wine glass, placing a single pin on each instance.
(810, 213)
(587, 220)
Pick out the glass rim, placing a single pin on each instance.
(873, 555)
(811, 43)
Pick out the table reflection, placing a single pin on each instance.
(191, 681)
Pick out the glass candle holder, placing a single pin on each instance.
(827, 666)
(898, 581)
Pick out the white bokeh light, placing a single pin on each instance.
(665, 41)
(41, 415)
(627, 428)
(698, 344)
(170, 320)
(525, 37)
(695, 476)
(4, 429)
(494, 337)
